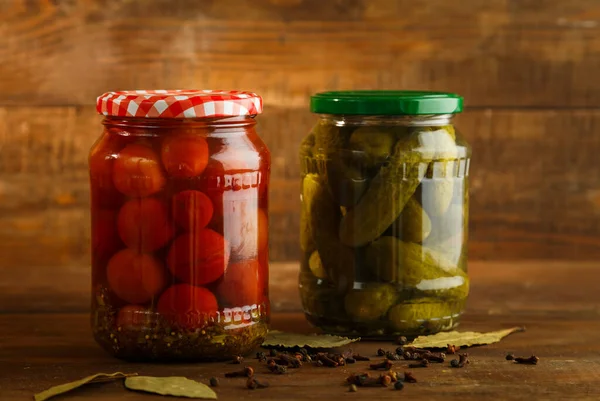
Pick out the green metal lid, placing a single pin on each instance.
(386, 102)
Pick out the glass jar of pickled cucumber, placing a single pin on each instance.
(179, 204)
(384, 214)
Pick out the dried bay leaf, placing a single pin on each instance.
(277, 338)
(175, 386)
(464, 339)
(65, 388)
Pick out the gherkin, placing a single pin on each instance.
(382, 203)
(324, 218)
(413, 224)
(376, 143)
(409, 317)
(417, 267)
(370, 303)
(316, 266)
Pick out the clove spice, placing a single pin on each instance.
(423, 364)
(278, 369)
(532, 360)
(358, 357)
(253, 384)
(237, 360)
(246, 372)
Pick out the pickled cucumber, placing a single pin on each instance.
(370, 303)
(375, 142)
(409, 317)
(413, 225)
(319, 299)
(316, 266)
(382, 203)
(325, 215)
(418, 267)
(347, 177)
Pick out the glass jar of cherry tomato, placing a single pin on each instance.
(179, 198)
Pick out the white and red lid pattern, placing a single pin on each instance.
(179, 103)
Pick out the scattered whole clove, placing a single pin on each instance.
(278, 369)
(392, 356)
(532, 360)
(253, 384)
(409, 378)
(327, 361)
(422, 364)
(261, 356)
(284, 359)
(510, 357)
(358, 357)
(214, 382)
(438, 357)
(386, 364)
(246, 372)
(237, 360)
(400, 351)
(350, 360)
(461, 362)
(380, 352)
(398, 385)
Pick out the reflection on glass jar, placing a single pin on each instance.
(384, 214)
(179, 213)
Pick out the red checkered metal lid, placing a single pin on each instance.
(179, 103)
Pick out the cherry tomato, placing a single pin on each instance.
(134, 317)
(104, 194)
(245, 226)
(143, 224)
(242, 284)
(187, 306)
(137, 171)
(134, 277)
(192, 210)
(105, 239)
(199, 258)
(184, 155)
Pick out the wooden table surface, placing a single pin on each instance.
(557, 302)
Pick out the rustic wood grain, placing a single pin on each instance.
(495, 52)
(40, 351)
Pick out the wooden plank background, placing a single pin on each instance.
(527, 68)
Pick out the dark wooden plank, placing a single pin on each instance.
(496, 53)
(39, 351)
